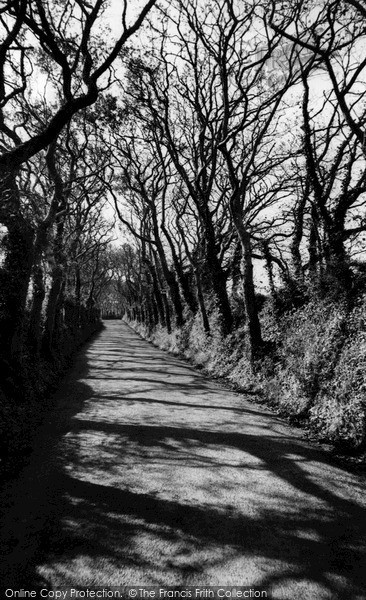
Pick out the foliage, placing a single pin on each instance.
(308, 349)
(339, 412)
(318, 375)
(315, 374)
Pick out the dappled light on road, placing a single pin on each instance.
(158, 475)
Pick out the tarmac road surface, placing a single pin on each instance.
(148, 473)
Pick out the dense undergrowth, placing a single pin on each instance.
(26, 389)
(314, 372)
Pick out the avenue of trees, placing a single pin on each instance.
(56, 60)
(228, 137)
(240, 137)
(238, 146)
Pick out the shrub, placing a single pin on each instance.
(339, 413)
(313, 369)
(309, 339)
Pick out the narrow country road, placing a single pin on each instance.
(148, 473)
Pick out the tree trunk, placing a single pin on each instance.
(337, 264)
(167, 313)
(313, 248)
(39, 293)
(298, 233)
(236, 273)
(51, 311)
(170, 280)
(197, 277)
(17, 269)
(175, 297)
(269, 269)
(255, 334)
(181, 276)
(201, 302)
(218, 282)
(156, 290)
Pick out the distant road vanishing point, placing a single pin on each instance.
(148, 473)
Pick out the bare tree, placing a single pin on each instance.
(60, 45)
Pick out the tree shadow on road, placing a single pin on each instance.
(103, 524)
(88, 519)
